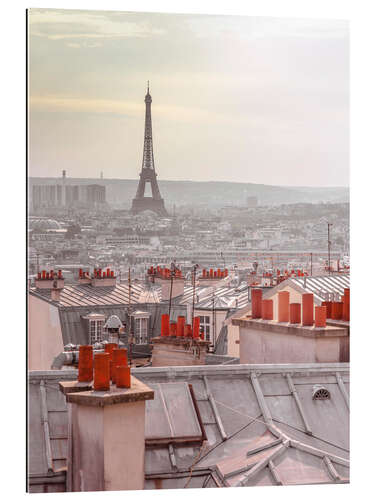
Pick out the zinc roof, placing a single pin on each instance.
(261, 423)
(320, 286)
(79, 295)
(225, 297)
(86, 295)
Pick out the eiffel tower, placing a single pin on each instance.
(155, 203)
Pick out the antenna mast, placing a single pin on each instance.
(329, 248)
(195, 267)
(173, 272)
(130, 334)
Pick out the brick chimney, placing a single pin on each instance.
(179, 345)
(103, 278)
(49, 280)
(172, 281)
(84, 277)
(211, 276)
(106, 436)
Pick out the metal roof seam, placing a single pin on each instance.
(331, 469)
(281, 448)
(274, 473)
(298, 403)
(343, 390)
(313, 435)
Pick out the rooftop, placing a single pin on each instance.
(320, 286)
(261, 425)
(86, 295)
(290, 328)
(83, 295)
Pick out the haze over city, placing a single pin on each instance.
(188, 252)
(237, 99)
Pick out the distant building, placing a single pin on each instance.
(252, 201)
(67, 195)
(85, 195)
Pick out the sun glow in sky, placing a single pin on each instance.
(240, 99)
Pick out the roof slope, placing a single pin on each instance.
(74, 331)
(87, 295)
(320, 286)
(225, 297)
(261, 422)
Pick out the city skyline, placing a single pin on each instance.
(237, 99)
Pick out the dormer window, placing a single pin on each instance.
(141, 330)
(205, 327)
(96, 328)
(95, 323)
(141, 323)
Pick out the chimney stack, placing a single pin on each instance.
(196, 326)
(283, 307)
(320, 316)
(295, 313)
(100, 278)
(256, 302)
(164, 325)
(50, 280)
(106, 438)
(337, 310)
(328, 306)
(267, 309)
(173, 329)
(307, 309)
(346, 305)
(101, 372)
(180, 326)
(85, 363)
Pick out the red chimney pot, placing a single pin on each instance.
(196, 327)
(123, 377)
(320, 316)
(101, 371)
(180, 326)
(295, 313)
(85, 363)
(256, 302)
(307, 309)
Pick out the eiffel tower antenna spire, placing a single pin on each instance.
(148, 174)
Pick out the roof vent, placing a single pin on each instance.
(320, 392)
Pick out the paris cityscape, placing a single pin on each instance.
(204, 321)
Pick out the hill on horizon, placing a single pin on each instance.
(209, 193)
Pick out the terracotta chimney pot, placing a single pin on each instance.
(295, 313)
(307, 309)
(320, 316)
(85, 363)
(267, 309)
(123, 376)
(256, 302)
(101, 371)
(283, 306)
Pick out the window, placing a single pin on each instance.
(205, 326)
(141, 334)
(96, 328)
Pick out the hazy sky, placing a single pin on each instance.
(239, 99)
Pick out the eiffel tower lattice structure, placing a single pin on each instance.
(155, 203)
